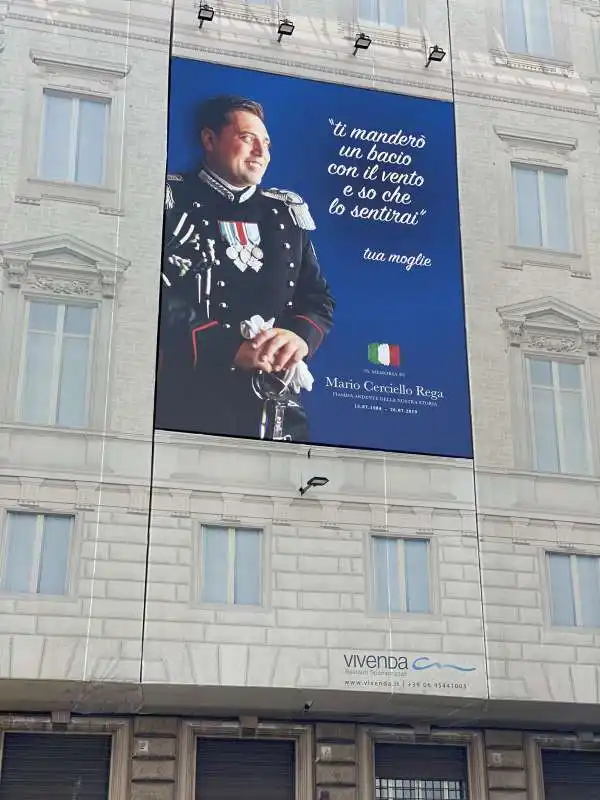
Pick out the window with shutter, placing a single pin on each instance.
(55, 766)
(570, 774)
(420, 772)
(253, 770)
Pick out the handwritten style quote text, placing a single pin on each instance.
(379, 182)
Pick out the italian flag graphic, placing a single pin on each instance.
(387, 355)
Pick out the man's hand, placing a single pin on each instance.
(272, 351)
(248, 357)
(281, 348)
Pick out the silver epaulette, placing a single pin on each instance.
(297, 207)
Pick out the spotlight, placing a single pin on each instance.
(435, 54)
(205, 14)
(362, 42)
(286, 28)
(316, 480)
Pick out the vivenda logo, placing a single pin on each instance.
(390, 663)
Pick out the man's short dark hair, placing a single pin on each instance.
(214, 113)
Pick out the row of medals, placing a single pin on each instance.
(245, 255)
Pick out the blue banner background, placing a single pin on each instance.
(421, 310)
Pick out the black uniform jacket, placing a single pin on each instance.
(228, 256)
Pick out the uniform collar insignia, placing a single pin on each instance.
(218, 185)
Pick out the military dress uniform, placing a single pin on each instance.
(230, 255)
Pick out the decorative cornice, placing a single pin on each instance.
(548, 259)
(59, 63)
(163, 42)
(29, 494)
(535, 140)
(529, 63)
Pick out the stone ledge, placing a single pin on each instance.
(148, 769)
(155, 726)
(335, 732)
(500, 738)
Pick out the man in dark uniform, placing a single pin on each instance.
(234, 251)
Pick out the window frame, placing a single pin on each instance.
(77, 78)
(75, 100)
(199, 559)
(541, 173)
(549, 328)
(536, 742)
(119, 729)
(526, 6)
(369, 736)
(539, 151)
(432, 561)
(76, 531)
(62, 303)
(529, 356)
(385, 25)
(191, 730)
(85, 275)
(572, 555)
(37, 554)
(559, 63)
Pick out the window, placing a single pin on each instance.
(542, 207)
(36, 555)
(73, 142)
(218, 761)
(574, 590)
(55, 373)
(420, 772)
(255, 770)
(570, 774)
(74, 132)
(528, 27)
(401, 575)
(560, 437)
(383, 12)
(231, 566)
(55, 765)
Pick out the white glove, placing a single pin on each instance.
(298, 377)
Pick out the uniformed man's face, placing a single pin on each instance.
(239, 153)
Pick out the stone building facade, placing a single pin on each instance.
(126, 647)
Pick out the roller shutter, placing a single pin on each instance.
(237, 769)
(572, 775)
(55, 766)
(420, 772)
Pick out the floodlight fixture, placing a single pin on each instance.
(436, 53)
(362, 42)
(286, 28)
(205, 14)
(316, 480)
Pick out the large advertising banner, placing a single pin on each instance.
(311, 281)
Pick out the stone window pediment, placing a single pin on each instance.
(62, 265)
(551, 325)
